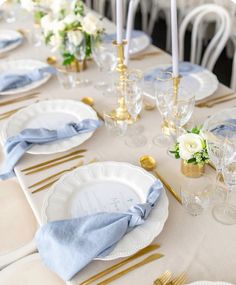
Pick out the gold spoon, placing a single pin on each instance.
(149, 163)
(51, 60)
(90, 102)
(148, 106)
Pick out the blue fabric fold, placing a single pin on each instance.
(16, 146)
(67, 246)
(9, 81)
(185, 68)
(227, 129)
(5, 43)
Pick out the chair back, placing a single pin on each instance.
(197, 17)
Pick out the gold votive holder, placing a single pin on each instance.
(192, 170)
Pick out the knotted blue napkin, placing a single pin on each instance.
(226, 129)
(16, 146)
(185, 68)
(10, 81)
(6, 43)
(67, 246)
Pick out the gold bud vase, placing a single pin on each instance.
(192, 170)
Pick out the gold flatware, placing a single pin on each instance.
(55, 175)
(163, 278)
(52, 60)
(210, 105)
(54, 160)
(19, 99)
(120, 264)
(90, 102)
(148, 106)
(149, 163)
(9, 113)
(147, 260)
(53, 164)
(146, 54)
(179, 280)
(203, 104)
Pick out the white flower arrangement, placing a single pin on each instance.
(69, 23)
(191, 147)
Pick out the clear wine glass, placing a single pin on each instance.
(162, 85)
(134, 103)
(179, 111)
(225, 212)
(215, 130)
(104, 54)
(79, 52)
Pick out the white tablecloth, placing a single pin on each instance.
(203, 248)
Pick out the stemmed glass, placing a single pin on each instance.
(134, 102)
(226, 212)
(179, 111)
(104, 54)
(162, 84)
(79, 52)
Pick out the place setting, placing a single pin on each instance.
(120, 188)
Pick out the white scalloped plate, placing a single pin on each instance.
(21, 66)
(10, 35)
(107, 186)
(210, 283)
(50, 114)
(204, 83)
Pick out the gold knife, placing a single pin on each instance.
(53, 164)
(53, 160)
(56, 175)
(120, 264)
(147, 260)
(167, 186)
(19, 99)
(203, 104)
(210, 105)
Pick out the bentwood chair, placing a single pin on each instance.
(198, 18)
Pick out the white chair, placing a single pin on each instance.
(233, 76)
(197, 18)
(162, 8)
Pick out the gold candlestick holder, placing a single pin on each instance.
(121, 113)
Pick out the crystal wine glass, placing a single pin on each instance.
(104, 54)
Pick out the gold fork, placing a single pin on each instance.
(53, 160)
(179, 280)
(19, 99)
(163, 278)
(214, 100)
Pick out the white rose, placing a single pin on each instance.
(75, 37)
(55, 42)
(69, 19)
(189, 144)
(58, 26)
(27, 5)
(58, 5)
(46, 24)
(91, 24)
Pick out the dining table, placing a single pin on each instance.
(197, 245)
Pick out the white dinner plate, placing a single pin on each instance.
(194, 77)
(210, 283)
(139, 41)
(50, 114)
(10, 35)
(21, 66)
(109, 187)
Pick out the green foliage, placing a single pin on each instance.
(67, 58)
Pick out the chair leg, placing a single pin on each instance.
(233, 76)
(144, 12)
(153, 18)
(168, 29)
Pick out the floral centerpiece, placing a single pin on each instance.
(39, 8)
(68, 29)
(192, 150)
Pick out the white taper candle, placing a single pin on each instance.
(174, 33)
(119, 21)
(129, 29)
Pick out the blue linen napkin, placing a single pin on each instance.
(10, 81)
(5, 43)
(185, 68)
(224, 129)
(67, 246)
(16, 146)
